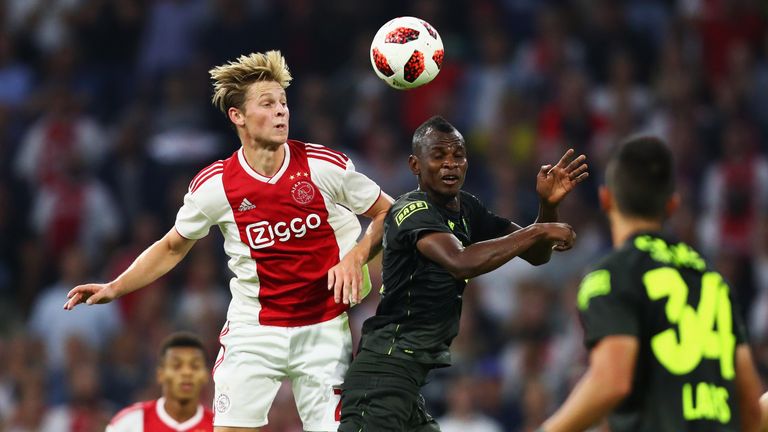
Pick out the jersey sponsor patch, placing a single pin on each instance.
(409, 210)
(597, 283)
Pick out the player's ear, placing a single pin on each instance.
(413, 163)
(605, 198)
(236, 116)
(673, 203)
(159, 374)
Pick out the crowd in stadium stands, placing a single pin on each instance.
(105, 116)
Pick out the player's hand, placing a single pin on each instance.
(346, 280)
(90, 294)
(554, 182)
(560, 234)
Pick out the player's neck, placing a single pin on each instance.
(180, 411)
(623, 227)
(450, 202)
(265, 160)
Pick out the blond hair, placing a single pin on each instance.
(231, 80)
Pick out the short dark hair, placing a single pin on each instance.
(181, 339)
(640, 174)
(437, 123)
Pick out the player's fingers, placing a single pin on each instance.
(331, 279)
(74, 300)
(566, 157)
(95, 298)
(578, 171)
(355, 289)
(338, 285)
(347, 288)
(583, 176)
(544, 170)
(575, 163)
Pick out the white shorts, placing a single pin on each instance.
(254, 360)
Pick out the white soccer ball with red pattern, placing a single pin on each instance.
(407, 52)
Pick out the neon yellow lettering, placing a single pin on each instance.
(594, 284)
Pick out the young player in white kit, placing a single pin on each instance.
(286, 210)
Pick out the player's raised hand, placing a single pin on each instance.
(345, 279)
(554, 182)
(89, 294)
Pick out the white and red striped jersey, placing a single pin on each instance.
(282, 233)
(150, 416)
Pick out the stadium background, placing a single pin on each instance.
(105, 117)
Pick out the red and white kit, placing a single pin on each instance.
(151, 416)
(282, 234)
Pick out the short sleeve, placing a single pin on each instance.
(486, 225)
(413, 219)
(606, 308)
(191, 221)
(358, 192)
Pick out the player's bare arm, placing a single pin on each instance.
(153, 263)
(553, 184)
(479, 258)
(345, 278)
(748, 390)
(607, 381)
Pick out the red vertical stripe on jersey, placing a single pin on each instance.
(290, 239)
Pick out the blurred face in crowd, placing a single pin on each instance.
(182, 373)
(264, 114)
(441, 163)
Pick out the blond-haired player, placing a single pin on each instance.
(287, 212)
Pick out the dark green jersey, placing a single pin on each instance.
(418, 315)
(683, 315)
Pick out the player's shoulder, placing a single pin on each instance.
(408, 198)
(130, 415)
(410, 204)
(206, 175)
(470, 201)
(322, 154)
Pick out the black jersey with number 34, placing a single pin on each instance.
(684, 317)
(418, 315)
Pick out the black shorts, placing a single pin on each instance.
(381, 394)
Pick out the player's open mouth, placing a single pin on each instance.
(281, 126)
(450, 179)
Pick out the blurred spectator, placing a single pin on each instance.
(75, 210)
(168, 40)
(61, 134)
(16, 78)
(51, 324)
(734, 193)
(202, 299)
(462, 415)
(86, 411)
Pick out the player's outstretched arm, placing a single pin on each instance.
(748, 389)
(553, 184)
(345, 278)
(607, 381)
(153, 263)
(480, 258)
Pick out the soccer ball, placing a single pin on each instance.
(407, 52)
